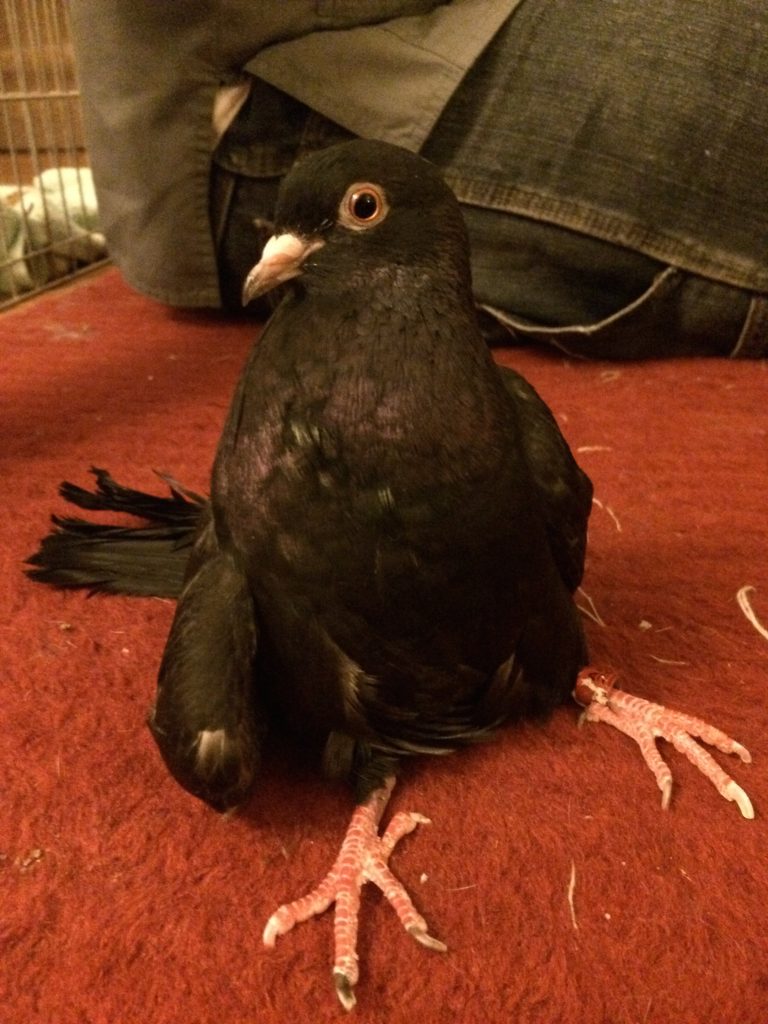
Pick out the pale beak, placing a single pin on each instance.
(282, 259)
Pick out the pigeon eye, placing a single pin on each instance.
(363, 206)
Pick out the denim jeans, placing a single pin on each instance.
(611, 161)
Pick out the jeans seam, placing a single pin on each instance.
(610, 227)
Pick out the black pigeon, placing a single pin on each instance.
(395, 533)
(395, 529)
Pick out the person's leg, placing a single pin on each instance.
(595, 147)
(593, 227)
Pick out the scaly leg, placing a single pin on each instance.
(363, 858)
(645, 722)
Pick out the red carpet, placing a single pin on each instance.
(125, 900)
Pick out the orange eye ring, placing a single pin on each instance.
(363, 206)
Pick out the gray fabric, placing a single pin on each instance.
(639, 142)
(149, 72)
(644, 124)
(389, 81)
(611, 157)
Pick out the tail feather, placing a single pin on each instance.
(182, 507)
(147, 560)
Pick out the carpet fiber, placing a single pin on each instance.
(124, 899)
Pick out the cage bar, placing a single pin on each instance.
(48, 216)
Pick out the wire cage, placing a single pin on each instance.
(48, 214)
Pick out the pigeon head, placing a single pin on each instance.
(361, 212)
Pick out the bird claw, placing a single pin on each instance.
(272, 930)
(344, 990)
(734, 792)
(425, 939)
(644, 722)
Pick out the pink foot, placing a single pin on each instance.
(644, 722)
(363, 858)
